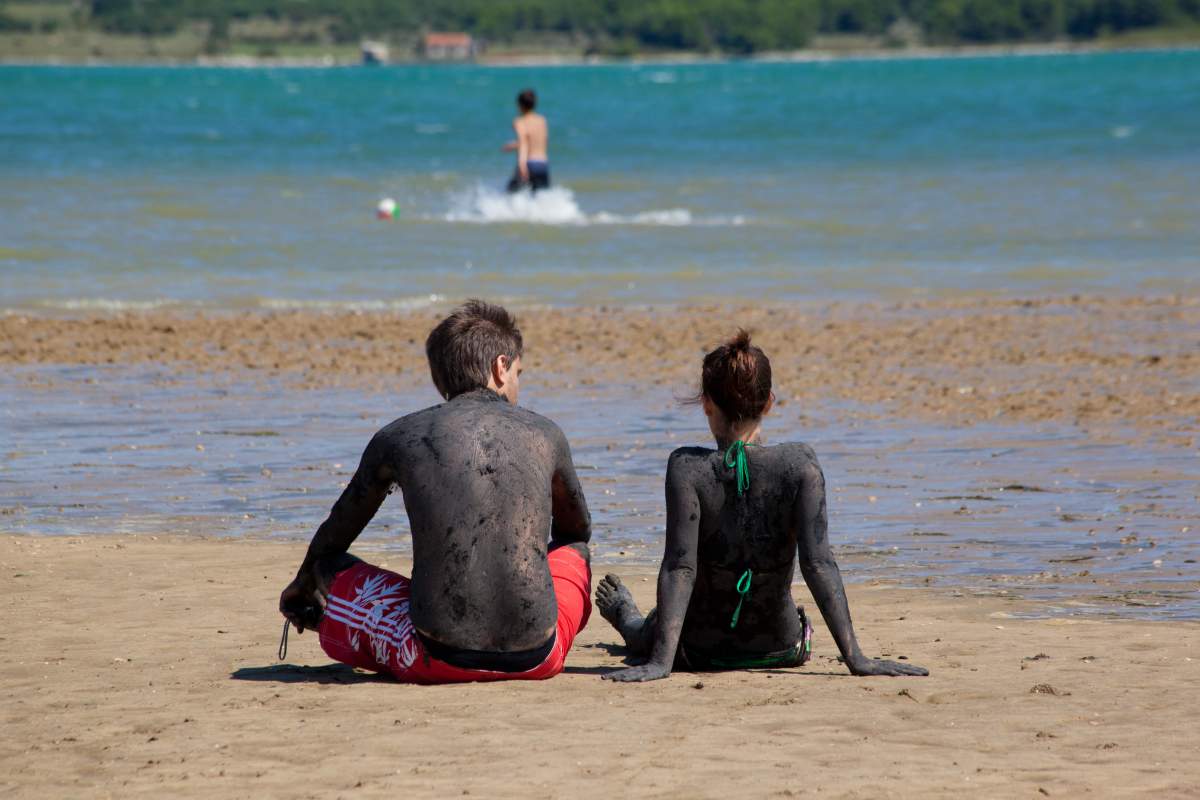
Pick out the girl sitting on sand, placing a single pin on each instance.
(736, 517)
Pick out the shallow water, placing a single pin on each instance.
(1082, 524)
(125, 187)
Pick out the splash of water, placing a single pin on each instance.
(554, 206)
(557, 206)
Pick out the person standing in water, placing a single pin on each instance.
(531, 144)
(737, 517)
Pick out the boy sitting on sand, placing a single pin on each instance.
(736, 517)
(482, 480)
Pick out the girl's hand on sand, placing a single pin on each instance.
(877, 666)
(638, 674)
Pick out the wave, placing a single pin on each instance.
(402, 304)
(105, 304)
(557, 206)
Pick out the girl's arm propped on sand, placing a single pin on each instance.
(824, 579)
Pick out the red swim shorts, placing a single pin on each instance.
(367, 624)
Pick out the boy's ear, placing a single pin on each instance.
(500, 366)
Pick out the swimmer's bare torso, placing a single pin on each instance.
(533, 137)
(483, 482)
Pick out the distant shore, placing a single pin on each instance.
(341, 58)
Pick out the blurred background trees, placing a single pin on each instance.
(618, 27)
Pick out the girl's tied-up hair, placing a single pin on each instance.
(736, 377)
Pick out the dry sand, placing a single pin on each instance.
(1114, 361)
(144, 666)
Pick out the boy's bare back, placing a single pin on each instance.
(532, 135)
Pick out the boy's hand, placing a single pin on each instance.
(303, 601)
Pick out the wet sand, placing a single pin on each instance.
(145, 667)
(1109, 361)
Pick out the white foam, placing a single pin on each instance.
(661, 76)
(554, 206)
(106, 304)
(402, 304)
(557, 206)
(667, 216)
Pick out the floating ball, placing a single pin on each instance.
(386, 209)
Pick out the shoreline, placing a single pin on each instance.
(1122, 361)
(814, 55)
(1038, 448)
(167, 681)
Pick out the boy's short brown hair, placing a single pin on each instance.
(463, 346)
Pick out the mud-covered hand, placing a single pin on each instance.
(878, 666)
(649, 671)
(303, 601)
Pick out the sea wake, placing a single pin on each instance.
(557, 206)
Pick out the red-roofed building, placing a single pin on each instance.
(448, 47)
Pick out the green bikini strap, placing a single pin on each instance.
(735, 457)
(743, 589)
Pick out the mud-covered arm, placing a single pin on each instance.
(676, 577)
(349, 515)
(824, 579)
(570, 521)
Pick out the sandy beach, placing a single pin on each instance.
(146, 667)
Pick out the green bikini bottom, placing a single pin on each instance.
(689, 658)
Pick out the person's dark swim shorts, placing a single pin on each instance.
(539, 177)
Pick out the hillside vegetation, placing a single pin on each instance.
(607, 26)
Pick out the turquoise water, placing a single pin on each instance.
(257, 187)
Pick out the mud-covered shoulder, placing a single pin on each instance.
(794, 463)
(683, 455)
(690, 463)
(407, 422)
(797, 453)
(547, 426)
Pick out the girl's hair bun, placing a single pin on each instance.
(737, 377)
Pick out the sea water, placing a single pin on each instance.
(244, 188)
(1081, 523)
(256, 189)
